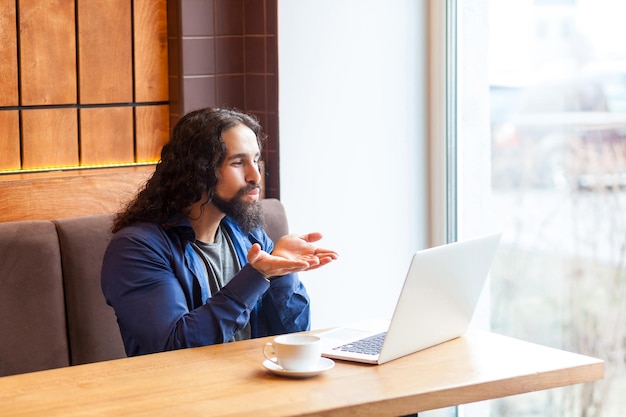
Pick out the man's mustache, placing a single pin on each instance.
(248, 188)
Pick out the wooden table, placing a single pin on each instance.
(230, 380)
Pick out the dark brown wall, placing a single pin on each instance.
(224, 53)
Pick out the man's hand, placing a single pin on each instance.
(292, 253)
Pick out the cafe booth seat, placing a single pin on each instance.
(52, 311)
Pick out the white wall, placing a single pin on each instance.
(353, 145)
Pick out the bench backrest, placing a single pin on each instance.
(32, 306)
(91, 324)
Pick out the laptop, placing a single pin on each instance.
(436, 304)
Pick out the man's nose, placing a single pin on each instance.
(253, 174)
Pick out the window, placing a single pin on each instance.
(556, 161)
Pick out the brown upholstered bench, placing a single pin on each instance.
(52, 311)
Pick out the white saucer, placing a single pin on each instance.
(324, 365)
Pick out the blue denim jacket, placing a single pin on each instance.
(155, 282)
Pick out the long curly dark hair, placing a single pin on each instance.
(188, 166)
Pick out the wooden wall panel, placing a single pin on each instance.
(105, 51)
(107, 136)
(150, 26)
(54, 195)
(8, 55)
(47, 52)
(9, 140)
(49, 138)
(151, 132)
(59, 41)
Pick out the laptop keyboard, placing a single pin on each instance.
(368, 346)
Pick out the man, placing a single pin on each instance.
(189, 263)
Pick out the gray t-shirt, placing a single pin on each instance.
(221, 264)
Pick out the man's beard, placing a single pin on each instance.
(248, 216)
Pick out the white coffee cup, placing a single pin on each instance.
(294, 352)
